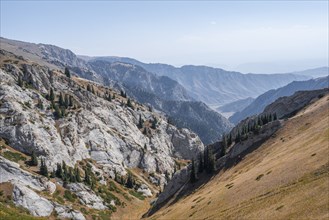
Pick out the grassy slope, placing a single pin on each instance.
(287, 177)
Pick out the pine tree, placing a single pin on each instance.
(154, 123)
(72, 175)
(113, 97)
(87, 179)
(193, 176)
(51, 95)
(211, 162)
(34, 159)
(275, 117)
(66, 101)
(201, 165)
(20, 81)
(140, 122)
(93, 90)
(71, 101)
(130, 181)
(61, 99)
(43, 168)
(65, 171)
(53, 174)
(40, 104)
(129, 104)
(59, 171)
(88, 88)
(67, 72)
(57, 112)
(77, 175)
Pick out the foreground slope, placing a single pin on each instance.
(286, 177)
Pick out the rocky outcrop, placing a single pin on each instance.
(104, 131)
(288, 106)
(27, 198)
(65, 212)
(11, 172)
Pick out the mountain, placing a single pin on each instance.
(133, 79)
(315, 73)
(265, 99)
(215, 86)
(273, 174)
(101, 152)
(235, 106)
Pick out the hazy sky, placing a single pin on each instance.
(229, 34)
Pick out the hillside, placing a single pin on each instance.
(285, 177)
(145, 87)
(259, 104)
(215, 86)
(102, 151)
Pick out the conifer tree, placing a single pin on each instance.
(57, 112)
(154, 123)
(71, 101)
(130, 181)
(53, 174)
(59, 171)
(65, 171)
(40, 104)
(43, 168)
(193, 176)
(77, 175)
(201, 165)
(66, 101)
(129, 104)
(51, 95)
(140, 122)
(20, 81)
(61, 99)
(34, 159)
(88, 88)
(67, 72)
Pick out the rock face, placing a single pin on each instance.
(162, 92)
(64, 212)
(259, 104)
(30, 200)
(288, 106)
(11, 172)
(104, 131)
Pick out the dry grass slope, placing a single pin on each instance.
(286, 178)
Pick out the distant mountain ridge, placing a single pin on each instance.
(215, 86)
(267, 98)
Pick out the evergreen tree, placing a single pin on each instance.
(200, 167)
(57, 112)
(65, 171)
(193, 176)
(129, 104)
(211, 161)
(59, 171)
(34, 159)
(72, 175)
(93, 90)
(43, 168)
(77, 175)
(113, 97)
(154, 123)
(130, 181)
(66, 101)
(140, 122)
(53, 174)
(20, 81)
(71, 101)
(67, 72)
(40, 104)
(275, 117)
(88, 88)
(51, 95)
(61, 99)
(87, 179)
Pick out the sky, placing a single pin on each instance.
(248, 36)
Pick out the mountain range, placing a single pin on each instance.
(259, 104)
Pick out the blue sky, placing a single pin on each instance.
(229, 34)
